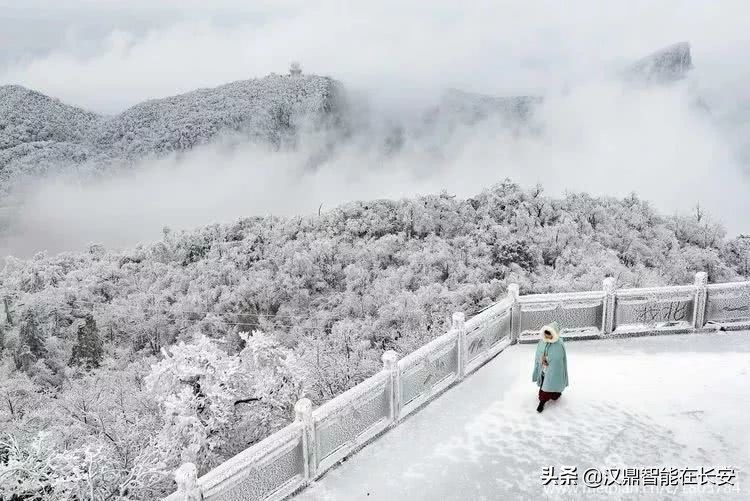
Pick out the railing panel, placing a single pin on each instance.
(482, 341)
(728, 303)
(427, 371)
(488, 314)
(561, 297)
(654, 309)
(577, 313)
(486, 328)
(419, 379)
(351, 419)
(269, 470)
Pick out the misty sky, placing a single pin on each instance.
(107, 55)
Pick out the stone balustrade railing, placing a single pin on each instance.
(318, 439)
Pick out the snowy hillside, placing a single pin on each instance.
(39, 134)
(267, 109)
(666, 65)
(28, 117)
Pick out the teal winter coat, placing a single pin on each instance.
(556, 377)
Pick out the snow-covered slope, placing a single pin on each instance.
(266, 109)
(666, 65)
(27, 116)
(39, 134)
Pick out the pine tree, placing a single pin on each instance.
(88, 350)
(31, 339)
(6, 307)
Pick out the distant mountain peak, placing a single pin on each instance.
(479, 106)
(8, 89)
(39, 134)
(669, 64)
(28, 116)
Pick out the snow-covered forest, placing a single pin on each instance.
(118, 366)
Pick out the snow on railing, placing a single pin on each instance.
(272, 466)
(580, 313)
(727, 305)
(340, 425)
(318, 439)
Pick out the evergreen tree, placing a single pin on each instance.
(32, 346)
(88, 350)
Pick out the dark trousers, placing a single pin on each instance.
(548, 395)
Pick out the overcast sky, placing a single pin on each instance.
(108, 55)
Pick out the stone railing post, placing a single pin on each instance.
(609, 285)
(459, 325)
(390, 365)
(701, 295)
(303, 415)
(515, 312)
(186, 477)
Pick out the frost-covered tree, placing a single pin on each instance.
(88, 350)
(197, 385)
(736, 253)
(18, 395)
(32, 344)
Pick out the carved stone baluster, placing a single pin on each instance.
(390, 365)
(608, 311)
(459, 325)
(699, 305)
(515, 312)
(303, 415)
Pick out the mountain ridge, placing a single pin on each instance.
(41, 135)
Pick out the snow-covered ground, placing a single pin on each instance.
(670, 401)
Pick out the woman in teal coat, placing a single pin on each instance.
(550, 365)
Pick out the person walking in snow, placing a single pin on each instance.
(550, 365)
